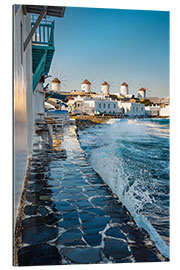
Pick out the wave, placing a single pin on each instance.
(120, 152)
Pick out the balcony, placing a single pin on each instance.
(42, 49)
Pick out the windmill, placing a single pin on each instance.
(91, 80)
(110, 85)
(144, 90)
(60, 77)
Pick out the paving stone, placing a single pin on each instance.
(43, 254)
(83, 204)
(84, 216)
(38, 234)
(93, 239)
(82, 255)
(142, 254)
(69, 236)
(30, 210)
(32, 221)
(114, 232)
(52, 218)
(69, 215)
(63, 206)
(116, 248)
(69, 223)
(43, 210)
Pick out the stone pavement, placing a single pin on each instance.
(72, 217)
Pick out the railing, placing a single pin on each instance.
(44, 35)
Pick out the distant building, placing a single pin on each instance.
(132, 109)
(105, 88)
(142, 93)
(56, 85)
(165, 112)
(86, 86)
(94, 106)
(152, 110)
(124, 89)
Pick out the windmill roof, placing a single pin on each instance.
(142, 89)
(124, 84)
(86, 82)
(56, 80)
(105, 83)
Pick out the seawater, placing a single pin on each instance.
(132, 157)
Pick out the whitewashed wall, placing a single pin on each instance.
(22, 100)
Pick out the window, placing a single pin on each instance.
(142, 109)
(113, 112)
(104, 105)
(108, 105)
(114, 105)
(99, 105)
(136, 109)
(109, 112)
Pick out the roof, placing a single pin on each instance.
(86, 82)
(124, 84)
(55, 11)
(105, 83)
(56, 80)
(142, 89)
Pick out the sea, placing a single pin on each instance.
(132, 157)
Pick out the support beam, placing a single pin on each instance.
(33, 30)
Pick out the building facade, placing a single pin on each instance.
(132, 109)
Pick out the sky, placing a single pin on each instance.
(113, 45)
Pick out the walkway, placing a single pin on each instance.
(72, 217)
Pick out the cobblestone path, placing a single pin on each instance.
(72, 217)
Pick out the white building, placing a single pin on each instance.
(105, 88)
(142, 93)
(152, 110)
(132, 109)
(56, 85)
(165, 112)
(86, 86)
(124, 89)
(99, 106)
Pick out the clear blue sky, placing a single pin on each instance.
(113, 45)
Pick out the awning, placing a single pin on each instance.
(55, 11)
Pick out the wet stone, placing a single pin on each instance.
(70, 215)
(83, 204)
(52, 218)
(78, 242)
(93, 239)
(116, 249)
(69, 236)
(30, 210)
(43, 254)
(63, 206)
(38, 234)
(95, 225)
(84, 216)
(100, 201)
(82, 255)
(69, 223)
(32, 221)
(142, 254)
(43, 210)
(114, 232)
